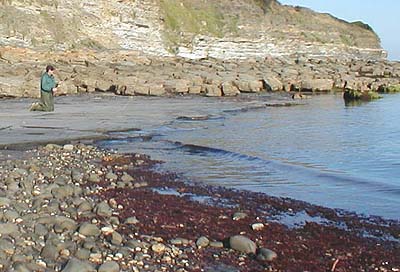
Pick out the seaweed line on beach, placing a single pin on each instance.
(73, 207)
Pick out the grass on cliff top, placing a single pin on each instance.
(265, 5)
(184, 17)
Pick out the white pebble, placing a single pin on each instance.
(257, 226)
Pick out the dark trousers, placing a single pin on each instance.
(46, 102)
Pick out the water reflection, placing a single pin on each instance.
(324, 152)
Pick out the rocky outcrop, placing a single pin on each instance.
(127, 73)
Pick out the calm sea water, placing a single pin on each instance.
(323, 152)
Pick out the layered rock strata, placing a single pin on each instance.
(188, 28)
(214, 48)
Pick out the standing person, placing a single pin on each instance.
(48, 87)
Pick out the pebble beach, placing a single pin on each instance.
(76, 207)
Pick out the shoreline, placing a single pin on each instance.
(135, 216)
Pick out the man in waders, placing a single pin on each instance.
(48, 86)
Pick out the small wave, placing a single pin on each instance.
(198, 149)
(193, 118)
(293, 170)
(246, 109)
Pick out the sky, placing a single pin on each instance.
(383, 16)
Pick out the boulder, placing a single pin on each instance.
(266, 255)
(195, 89)
(212, 90)
(202, 242)
(366, 70)
(239, 215)
(158, 248)
(88, 229)
(75, 265)
(103, 209)
(179, 86)
(139, 89)
(271, 83)
(157, 89)
(229, 89)
(317, 84)
(9, 229)
(249, 85)
(12, 87)
(109, 266)
(242, 244)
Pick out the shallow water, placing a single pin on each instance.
(323, 152)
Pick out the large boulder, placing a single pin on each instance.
(140, 89)
(271, 83)
(317, 84)
(229, 89)
(178, 86)
(13, 87)
(212, 90)
(156, 89)
(242, 244)
(266, 255)
(249, 86)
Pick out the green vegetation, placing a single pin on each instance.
(5, 2)
(264, 4)
(86, 43)
(55, 25)
(347, 39)
(350, 95)
(314, 37)
(363, 25)
(390, 89)
(182, 18)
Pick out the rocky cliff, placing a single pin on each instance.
(213, 48)
(189, 28)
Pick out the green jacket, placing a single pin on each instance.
(47, 83)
